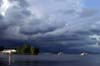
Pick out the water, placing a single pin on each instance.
(52, 60)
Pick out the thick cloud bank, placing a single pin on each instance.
(64, 22)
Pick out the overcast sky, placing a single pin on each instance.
(68, 23)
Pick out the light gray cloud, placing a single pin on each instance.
(40, 17)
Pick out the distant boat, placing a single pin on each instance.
(60, 53)
(83, 54)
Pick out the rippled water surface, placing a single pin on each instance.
(49, 60)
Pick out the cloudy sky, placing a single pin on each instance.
(52, 24)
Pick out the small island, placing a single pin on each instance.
(22, 50)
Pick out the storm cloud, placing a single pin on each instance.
(65, 22)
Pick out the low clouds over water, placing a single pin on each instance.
(65, 22)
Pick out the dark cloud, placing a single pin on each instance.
(49, 23)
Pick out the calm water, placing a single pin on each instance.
(66, 60)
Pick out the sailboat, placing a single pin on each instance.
(60, 53)
(83, 54)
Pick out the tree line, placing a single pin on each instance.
(24, 50)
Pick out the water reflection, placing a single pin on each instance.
(90, 60)
(45, 63)
(3, 63)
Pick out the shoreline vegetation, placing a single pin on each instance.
(26, 49)
(23, 50)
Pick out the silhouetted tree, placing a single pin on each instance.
(34, 51)
(27, 49)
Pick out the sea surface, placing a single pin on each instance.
(51, 60)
